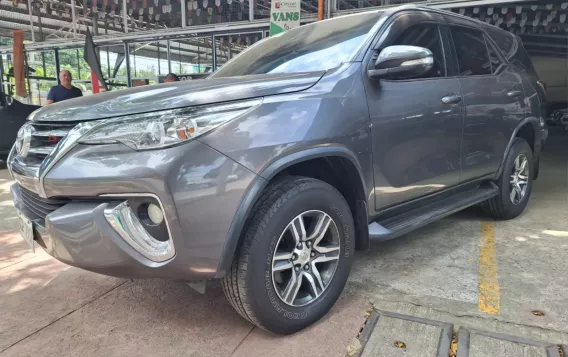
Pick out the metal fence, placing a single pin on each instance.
(229, 45)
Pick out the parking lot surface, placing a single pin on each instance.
(465, 271)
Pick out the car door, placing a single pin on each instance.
(416, 124)
(492, 96)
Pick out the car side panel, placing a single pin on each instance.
(416, 137)
(490, 118)
(535, 106)
(329, 119)
(333, 113)
(416, 142)
(490, 114)
(535, 101)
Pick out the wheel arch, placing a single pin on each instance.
(289, 164)
(528, 129)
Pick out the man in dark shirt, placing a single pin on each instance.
(64, 90)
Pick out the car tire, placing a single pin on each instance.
(255, 285)
(508, 205)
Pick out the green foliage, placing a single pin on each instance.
(71, 60)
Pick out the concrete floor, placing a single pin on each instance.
(438, 266)
(47, 308)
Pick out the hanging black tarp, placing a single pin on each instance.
(92, 59)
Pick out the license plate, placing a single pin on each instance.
(27, 230)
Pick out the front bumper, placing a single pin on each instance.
(79, 235)
(199, 190)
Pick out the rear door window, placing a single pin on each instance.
(471, 52)
(504, 40)
(511, 47)
(493, 57)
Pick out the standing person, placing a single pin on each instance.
(64, 90)
(171, 77)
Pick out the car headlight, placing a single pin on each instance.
(165, 128)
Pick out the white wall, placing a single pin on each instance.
(553, 71)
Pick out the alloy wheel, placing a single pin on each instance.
(519, 179)
(306, 258)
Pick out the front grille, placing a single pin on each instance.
(45, 137)
(40, 206)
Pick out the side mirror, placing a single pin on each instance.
(402, 62)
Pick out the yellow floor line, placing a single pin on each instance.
(488, 295)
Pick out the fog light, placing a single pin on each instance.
(155, 214)
(127, 224)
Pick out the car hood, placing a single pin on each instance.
(175, 95)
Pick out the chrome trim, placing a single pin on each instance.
(40, 150)
(54, 132)
(61, 149)
(24, 174)
(30, 183)
(125, 222)
(27, 169)
(127, 195)
(24, 139)
(9, 160)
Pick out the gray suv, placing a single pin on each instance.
(273, 171)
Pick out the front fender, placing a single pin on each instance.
(256, 188)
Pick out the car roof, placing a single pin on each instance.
(393, 10)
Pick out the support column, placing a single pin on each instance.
(214, 49)
(1, 74)
(57, 68)
(95, 23)
(78, 63)
(73, 17)
(159, 66)
(26, 72)
(169, 57)
(127, 58)
(125, 16)
(31, 19)
(251, 10)
(183, 16)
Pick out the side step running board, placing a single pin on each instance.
(392, 227)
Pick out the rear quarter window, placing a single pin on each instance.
(512, 48)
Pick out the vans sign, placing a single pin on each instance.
(284, 15)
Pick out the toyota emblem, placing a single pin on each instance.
(23, 140)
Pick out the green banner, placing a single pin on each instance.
(284, 15)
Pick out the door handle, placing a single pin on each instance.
(514, 93)
(451, 99)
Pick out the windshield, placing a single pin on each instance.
(315, 47)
